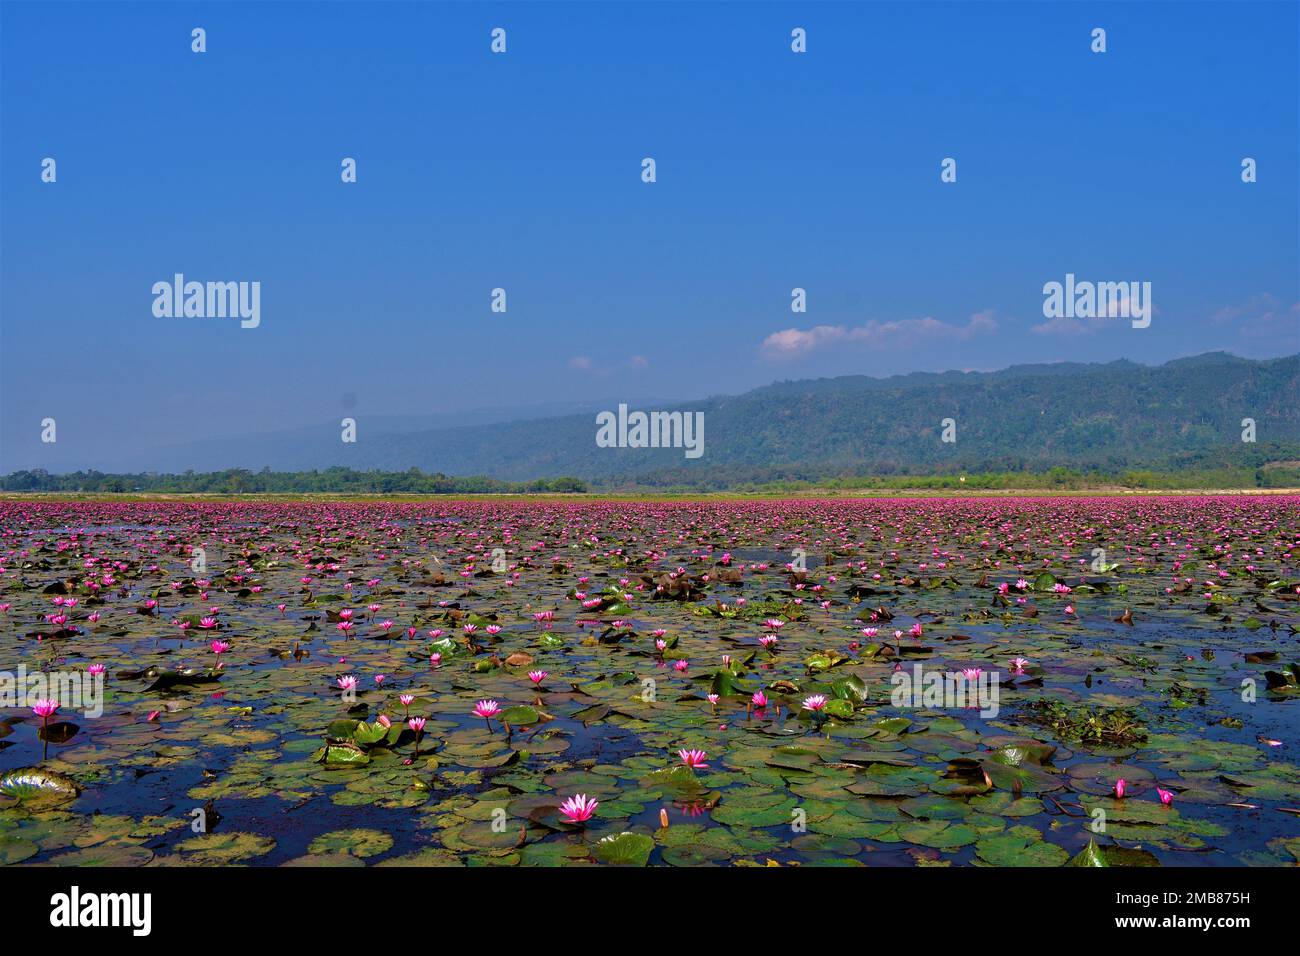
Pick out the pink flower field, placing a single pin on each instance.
(969, 681)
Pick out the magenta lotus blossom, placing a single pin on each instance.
(45, 709)
(680, 665)
(1120, 786)
(347, 682)
(694, 759)
(1166, 796)
(815, 703)
(96, 669)
(759, 700)
(537, 676)
(487, 709)
(417, 725)
(578, 809)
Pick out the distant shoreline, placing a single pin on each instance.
(803, 494)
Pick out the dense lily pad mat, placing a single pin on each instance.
(300, 683)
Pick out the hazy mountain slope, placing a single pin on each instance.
(1118, 415)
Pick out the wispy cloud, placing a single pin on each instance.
(1261, 315)
(903, 333)
(1064, 325)
(584, 363)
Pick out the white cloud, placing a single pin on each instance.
(903, 333)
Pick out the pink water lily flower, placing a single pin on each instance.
(578, 809)
(416, 724)
(1120, 786)
(694, 759)
(815, 703)
(487, 709)
(1166, 796)
(45, 709)
(537, 676)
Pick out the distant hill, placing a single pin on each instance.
(1185, 414)
(1182, 416)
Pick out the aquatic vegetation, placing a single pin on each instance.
(546, 682)
(1115, 725)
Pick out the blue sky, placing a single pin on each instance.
(522, 171)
